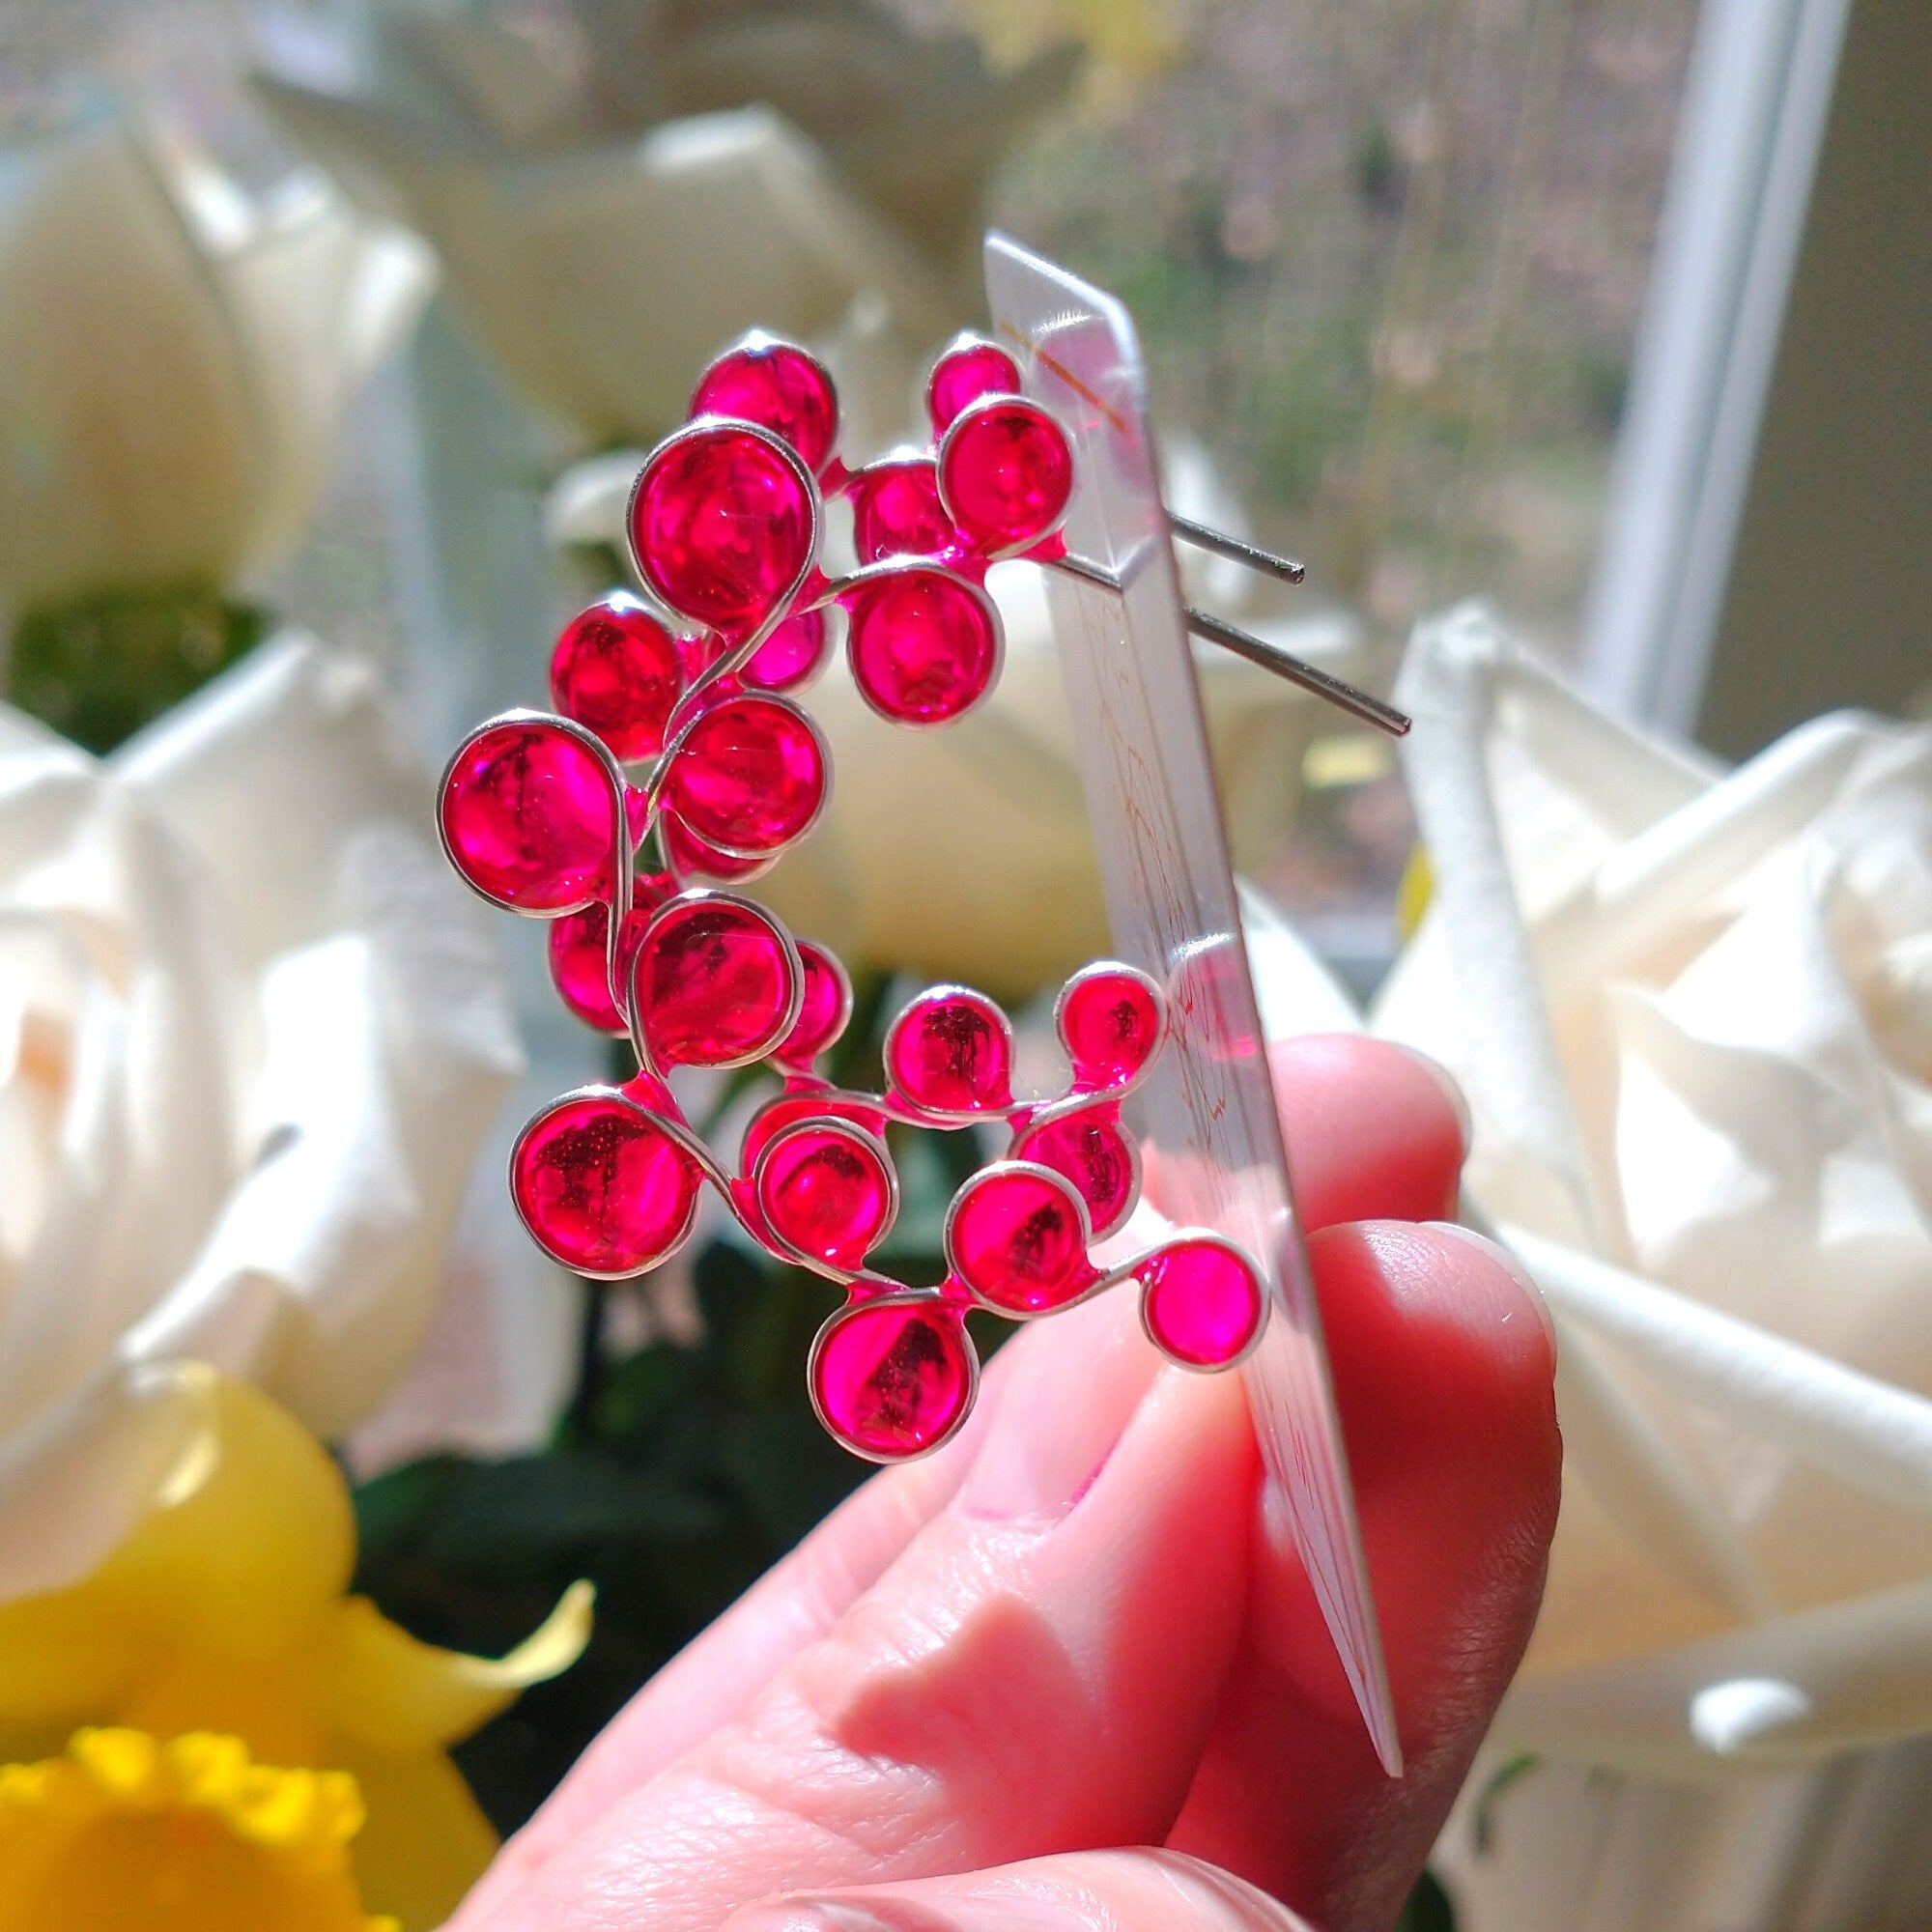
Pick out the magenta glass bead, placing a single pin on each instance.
(1090, 1148)
(1110, 1025)
(1019, 1240)
(748, 776)
(527, 814)
(827, 1192)
(951, 1052)
(822, 1011)
(892, 1379)
(783, 387)
(1200, 1302)
(896, 511)
(789, 1109)
(716, 981)
(1005, 472)
(970, 369)
(723, 523)
(617, 670)
(925, 645)
(602, 1188)
(793, 655)
(579, 964)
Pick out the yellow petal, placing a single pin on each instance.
(387, 1690)
(425, 1842)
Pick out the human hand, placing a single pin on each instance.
(1068, 1674)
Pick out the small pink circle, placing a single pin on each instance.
(822, 1012)
(951, 1051)
(896, 511)
(1006, 473)
(693, 858)
(971, 368)
(793, 655)
(1019, 1240)
(1089, 1150)
(617, 670)
(892, 1379)
(579, 964)
(602, 1188)
(748, 776)
(528, 817)
(1110, 1023)
(788, 1110)
(723, 523)
(783, 387)
(1200, 1302)
(925, 645)
(826, 1191)
(718, 984)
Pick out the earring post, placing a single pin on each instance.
(1202, 537)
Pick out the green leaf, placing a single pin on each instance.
(1428, 1908)
(1506, 1775)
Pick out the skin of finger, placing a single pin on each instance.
(1369, 1133)
(1444, 1377)
(1008, 1689)
(1137, 1890)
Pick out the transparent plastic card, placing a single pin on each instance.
(1209, 1107)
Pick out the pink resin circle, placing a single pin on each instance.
(527, 814)
(924, 644)
(892, 1379)
(716, 981)
(971, 368)
(748, 774)
(690, 856)
(1200, 1302)
(792, 655)
(788, 1110)
(1006, 473)
(951, 1051)
(1017, 1239)
(601, 1188)
(1090, 1151)
(1109, 1020)
(823, 1011)
(896, 511)
(579, 964)
(826, 1191)
(617, 670)
(724, 523)
(783, 387)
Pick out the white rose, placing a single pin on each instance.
(173, 361)
(251, 1034)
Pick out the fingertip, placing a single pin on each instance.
(1374, 1130)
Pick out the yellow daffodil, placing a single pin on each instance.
(224, 1610)
(123, 1835)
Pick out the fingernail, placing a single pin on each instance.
(1452, 1088)
(1508, 1263)
(1059, 1420)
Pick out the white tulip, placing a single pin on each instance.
(252, 1033)
(173, 361)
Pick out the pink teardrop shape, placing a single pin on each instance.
(602, 1188)
(1200, 1302)
(723, 523)
(793, 655)
(778, 384)
(826, 1190)
(892, 1379)
(748, 774)
(924, 644)
(617, 669)
(526, 814)
(1017, 1239)
(1006, 473)
(951, 1052)
(1089, 1150)
(1109, 1020)
(717, 980)
(896, 511)
(823, 1011)
(971, 367)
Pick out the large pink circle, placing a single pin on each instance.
(892, 1379)
(528, 817)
